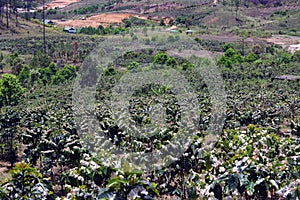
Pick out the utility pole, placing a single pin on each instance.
(44, 28)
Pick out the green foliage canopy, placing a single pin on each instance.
(11, 90)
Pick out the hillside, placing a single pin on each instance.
(275, 3)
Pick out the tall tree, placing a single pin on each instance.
(236, 4)
(11, 90)
(7, 21)
(44, 28)
(1, 10)
(15, 4)
(28, 5)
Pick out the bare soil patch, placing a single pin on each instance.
(187, 53)
(162, 7)
(104, 19)
(292, 43)
(60, 3)
(212, 21)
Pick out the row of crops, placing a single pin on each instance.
(256, 156)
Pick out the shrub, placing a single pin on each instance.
(171, 62)
(133, 65)
(254, 164)
(40, 60)
(102, 31)
(251, 57)
(161, 58)
(257, 49)
(51, 11)
(186, 66)
(162, 22)
(26, 183)
(11, 90)
(285, 57)
(227, 46)
(64, 75)
(86, 9)
(181, 19)
(24, 76)
(296, 56)
(17, 65)
(230, 57)
(135, 21)
(110, 71)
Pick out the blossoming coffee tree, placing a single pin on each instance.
(149, 117)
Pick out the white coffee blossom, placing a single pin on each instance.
(222, 169)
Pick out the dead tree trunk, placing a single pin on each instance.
(15, 11)
(1, 6)
(44, 28)
(7, 21)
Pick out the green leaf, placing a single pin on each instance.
(233, 182)
(250, 188)
(274, 184)
(259, 181)
(137, 172)
(116, 181)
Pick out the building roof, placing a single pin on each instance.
(70, 29)
(67, 28)
(48, 21)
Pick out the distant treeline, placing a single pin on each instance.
(86, 9)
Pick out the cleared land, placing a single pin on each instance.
(60, 3)
(104, 19)
(291, 43)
